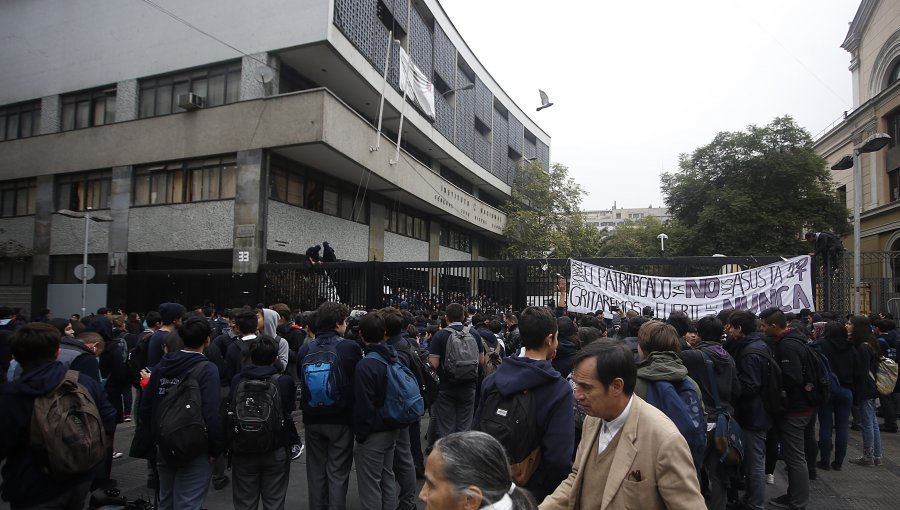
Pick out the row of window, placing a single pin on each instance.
(20, 120)
(185, 181)
(297, 185)
(406, 222)
(452, 238)
(17, 198)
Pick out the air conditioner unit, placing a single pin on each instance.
(190, 101)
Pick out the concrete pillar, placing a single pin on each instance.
(377, 214)
(249, 212)
(119, 203)
(40, 258)
(256, 80)
(127, 100)
(51, 115)
(434, 253)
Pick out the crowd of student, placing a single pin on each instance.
(527, 410)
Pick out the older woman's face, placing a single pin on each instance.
(437, 493)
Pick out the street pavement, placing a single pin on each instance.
(853, 487)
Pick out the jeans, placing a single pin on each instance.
(754, 468)
(183, 487)
(717, 473)
(329, 457)
(260, 476)
(835, 414)
(453, 410)
(374, 470)
(791, 433)
(870, 433)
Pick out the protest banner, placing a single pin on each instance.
(786, 285)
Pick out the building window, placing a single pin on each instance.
(15, 271)
(406, 222)
(452, 238)
(17, 198)
(88, 109)
(83, 190)
(20, 120)
(894, 182)
(294, 184)
(457, 180)
(195, 180)
(216, 85)
(895, 73)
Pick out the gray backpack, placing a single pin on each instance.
(461, 356)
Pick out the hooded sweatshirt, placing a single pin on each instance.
(167, 374)
(552, 398)
(790, 353)
(660, 366)
(565, 356)
(842, 357)
(725, 372)
(753, 371)
(271, 318)
(23, 483)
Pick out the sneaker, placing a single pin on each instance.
(780, 502)
(126, 418)
(118, 455)
(220, 483)
(862, 461)
(297, 451)
(877, 461)
(835, 466)
(770, 479)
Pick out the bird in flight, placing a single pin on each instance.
(545, 101)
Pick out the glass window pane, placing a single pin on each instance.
(176, 188)
(21, 201)
(32, 200)
(330, 201)
(148, 102)
(228, 187)
(8, 199)
(158, 188)
(82, 114)
(179, 89)
(164, 100)
(314, 196)
(26, 124)
(63, 192)
(195, 185)
(99, 112)
(68, 116)
(12, 126)
(110, 110)
(35, 122)
(142, 189)
(347, 206)
(211, 183)
(295, 189)
(199, 87)
(216, 90)
(2, 127)
(233, 90)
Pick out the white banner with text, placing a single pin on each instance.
(786, 285)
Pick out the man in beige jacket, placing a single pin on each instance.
(631, 455)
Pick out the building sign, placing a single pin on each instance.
(786, 285)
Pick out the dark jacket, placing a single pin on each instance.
(216, 351)
(79, 358)
(23, 483)
(842, 357)
(753, 371)
(113, 367)
(369, 391)
(286, 391)
(155, 347)
(565, 357)
(234, 358)
(401, 344)
(864, 386)
(168, 373)
(350, 354)
(552, 412)
(725, 374)
(791, 353)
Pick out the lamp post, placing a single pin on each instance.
(662, 241)
(874, 143)
(88, 217)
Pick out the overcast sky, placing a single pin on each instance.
(635, 84)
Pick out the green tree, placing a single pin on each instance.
(636, 238)
(543, 216)
(752, 193)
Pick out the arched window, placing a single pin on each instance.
(895, 73)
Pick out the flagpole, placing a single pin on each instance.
(405, 87)
(387, 61)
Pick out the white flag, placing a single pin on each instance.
(416, 85)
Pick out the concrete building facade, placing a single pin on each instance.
(609, 219)
(220, 134)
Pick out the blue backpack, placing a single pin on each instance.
(403, 402)
(682, 404)
(324, 383)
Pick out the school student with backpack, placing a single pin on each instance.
(834, 415)
(456, 354)
(50, 465)
(326, 367)
(527, 406)
(865, 391)
(260, 407)
(188, 436)
(377, 423)
(663, 381)
(248, 324)
(794, 357)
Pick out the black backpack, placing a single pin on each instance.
(178, 420)
(510, 420)
(816, 375)
(257, 422)
(136, 360)
(773, 395)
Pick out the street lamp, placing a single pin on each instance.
(873, 143)
(88, 217)
(468, 86)
(662, 241)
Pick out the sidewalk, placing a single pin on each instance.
(853, 487)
